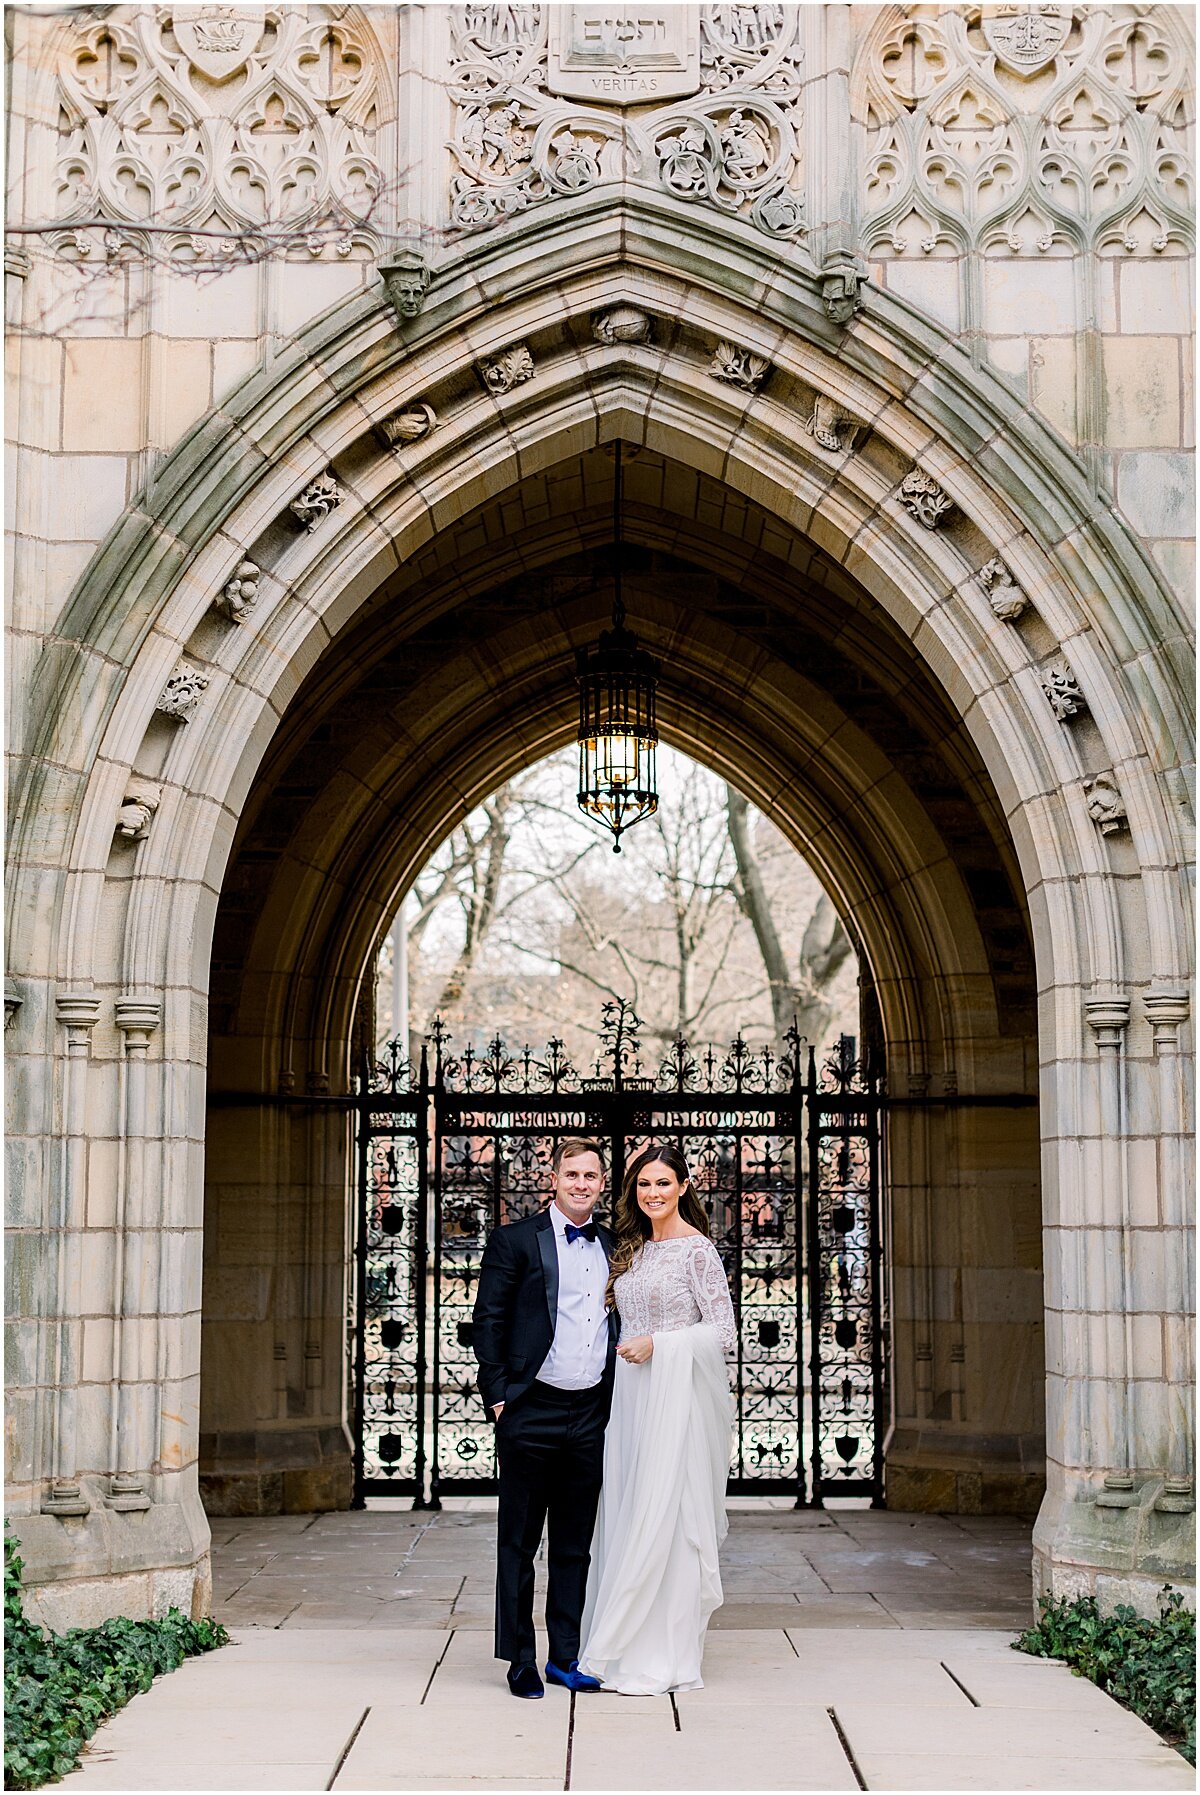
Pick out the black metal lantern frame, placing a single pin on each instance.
(618, 728)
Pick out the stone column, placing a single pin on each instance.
(78, 1012)
(137, 1018)
(1112, 1430)
(1168, 1011)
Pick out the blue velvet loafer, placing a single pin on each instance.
(523, 1680)
(572, 1678)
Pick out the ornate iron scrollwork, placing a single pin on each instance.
(784, 1160)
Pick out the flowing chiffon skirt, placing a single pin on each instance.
(655, 1580)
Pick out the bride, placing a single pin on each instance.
(654, 1580)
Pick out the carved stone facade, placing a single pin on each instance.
(326, 321)
(222, 119)
(547, 97)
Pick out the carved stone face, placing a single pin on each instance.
(408, 294)
(406, 284)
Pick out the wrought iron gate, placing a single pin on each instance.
(785, 1156)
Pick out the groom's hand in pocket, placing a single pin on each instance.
(636, 1351)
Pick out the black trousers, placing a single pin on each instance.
(550, 1448)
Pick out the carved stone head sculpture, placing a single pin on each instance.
(406, 281)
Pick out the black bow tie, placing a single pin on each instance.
(587, 1232)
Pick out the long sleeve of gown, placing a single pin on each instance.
(711, 1289)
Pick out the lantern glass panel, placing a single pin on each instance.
(619, 760)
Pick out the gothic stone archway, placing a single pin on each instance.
(949, 868)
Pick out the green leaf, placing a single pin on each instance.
(58, 1688)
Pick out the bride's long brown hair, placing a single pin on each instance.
(631, 1225)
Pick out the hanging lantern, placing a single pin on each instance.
(618, 731)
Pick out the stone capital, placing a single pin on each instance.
(1107, 1017)
(1167, 1010)
(12, 1002)
(137, 1018)
(79, 1013)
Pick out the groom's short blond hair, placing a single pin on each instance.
(572, 1145)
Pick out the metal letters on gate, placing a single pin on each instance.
(785, 1157)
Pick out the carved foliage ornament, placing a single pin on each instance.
(183, 691)
(924, 499)
(1026, 128)
(154, 125)
(1105, 805)
(739, 367)
(1003, 593)
(541, 115)
(500, 373)
(319, 498)
(1062, 689)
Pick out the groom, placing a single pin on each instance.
(546, 1347)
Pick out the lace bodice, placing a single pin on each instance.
(675, 1284)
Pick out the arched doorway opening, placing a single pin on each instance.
(804, 695)
(701, 989)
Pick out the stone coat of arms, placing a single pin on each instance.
(218, 41)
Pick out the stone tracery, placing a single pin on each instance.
(967, 144)
(267, 115)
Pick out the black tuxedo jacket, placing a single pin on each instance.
(516, 1307)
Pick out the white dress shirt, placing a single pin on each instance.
(580, 1345)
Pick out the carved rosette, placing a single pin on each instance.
(183, 691)
(409, 426)
(924, 499)
(512, 367)
(1105, 805)
(739, 367)
(319, 499)
(1002, 591)
(541, 103)
(239, 595)
(1062, 689)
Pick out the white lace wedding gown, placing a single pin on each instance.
(655, 1580)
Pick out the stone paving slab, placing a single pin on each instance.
(338, 1681)
(930, 1772)
(460, 1745)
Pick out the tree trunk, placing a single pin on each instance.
(752, 896)
(487, 872)
(823, 950)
